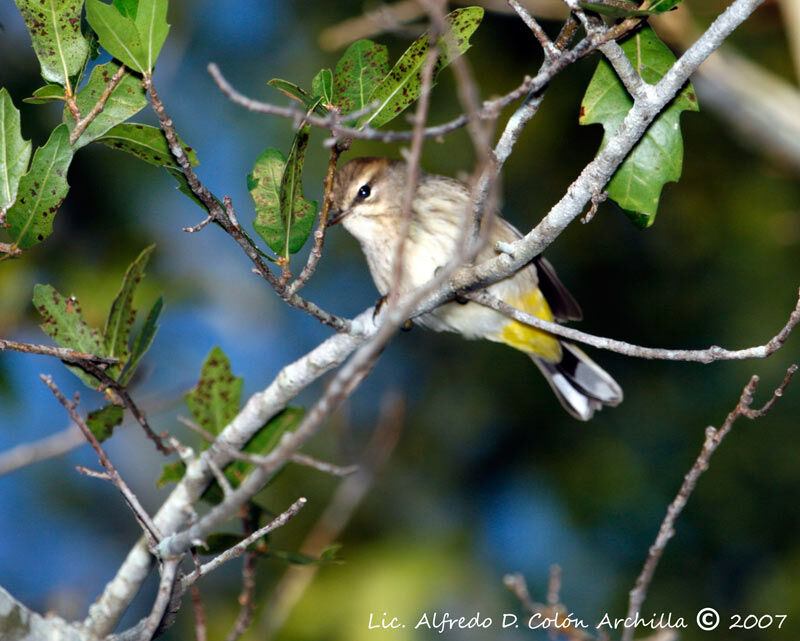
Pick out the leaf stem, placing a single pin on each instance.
(322, 226)
(83, 123)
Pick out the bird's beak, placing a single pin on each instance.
(336, 216)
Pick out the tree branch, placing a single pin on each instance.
(713, 438)
(239, 549)
(290, 381)
(548, 47)
(63, 353)
(333, 520)
(262, 406)
(20, 623)
(150, 530)
(228, 221)
(83, 123)
(709, 355)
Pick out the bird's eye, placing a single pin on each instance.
(364, 192)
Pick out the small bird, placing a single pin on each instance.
(367, 194)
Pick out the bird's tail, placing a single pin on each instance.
(580, 384)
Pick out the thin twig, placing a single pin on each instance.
(63, 353)
(551, 66)
(138, 414)
(713, 438)
(255, 459)
(519, 588)
(630, 77)
(123, 396)
(319, 234)
(323, 466)
(597, 198)
(103, 476)
(567, 33)
(247, 595)
(562, 627)
(83, 123)
(554, 586)
(227, 490)
(199, 226)
(238, 549)
(334, 519)
(489, 110)
(150, 529)
(72, 103)
(547, 44)
(412, 171)
(200, 631)
(169, 571)
(9, 250)
(227, 222)
(709, 355)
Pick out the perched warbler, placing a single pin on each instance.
(367, 196)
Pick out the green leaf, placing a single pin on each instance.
(331, 553)
(103, 421)
(43, 95)
(328, 556)
(297, 213)
(262, 442)
(64, 323)
(661, 6)
(127, 99)
(116, 334)
(264, 184)
(171, 473)
(143, 341)
(295, 558)
(14, 151)
(402, 85)
(658, 157)
(361, 68)
(214, 401)
(126, 7)
(265, 440)
(617, 8)
(322, 86)
(146, 143)
(151, 23)
(118, 34)
(41, 191)
(55, 29)
(296, 92)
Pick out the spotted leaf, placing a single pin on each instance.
(41, 191)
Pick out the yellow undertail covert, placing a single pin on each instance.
(527, 339)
